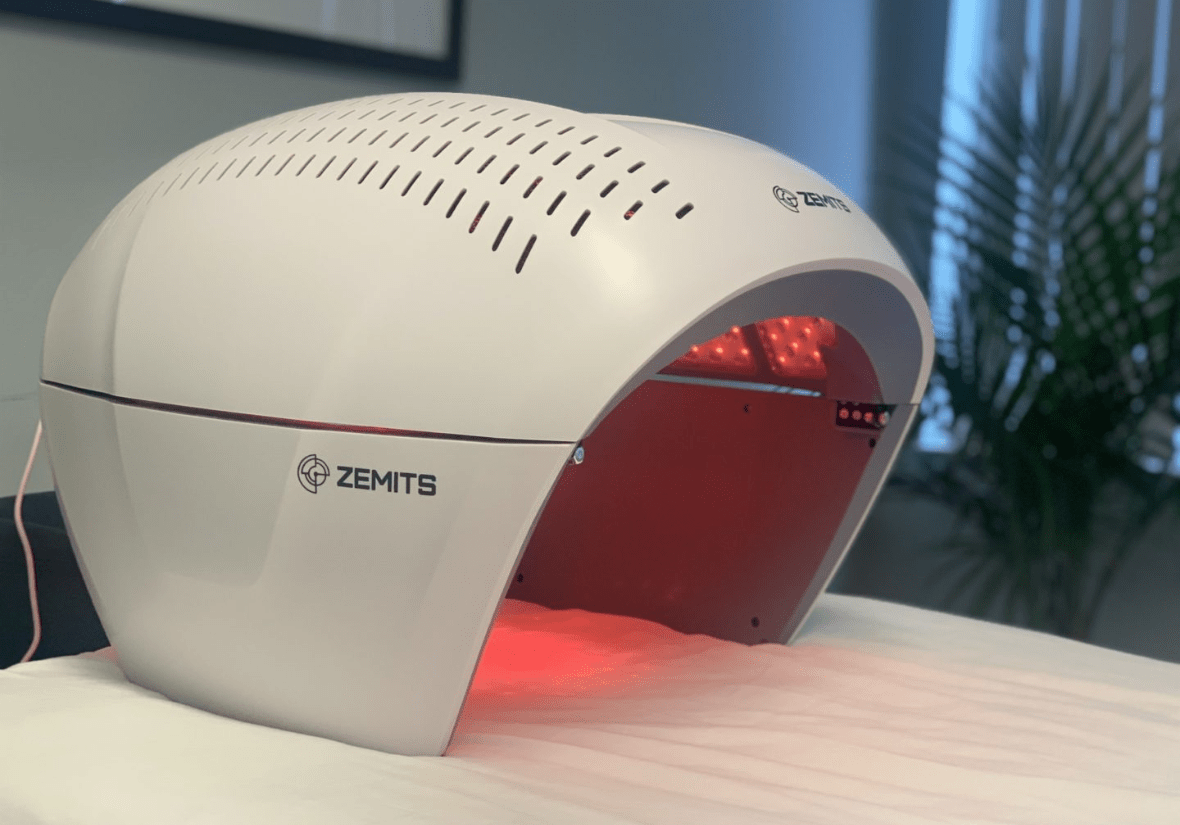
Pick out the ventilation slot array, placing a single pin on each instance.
(434, 143)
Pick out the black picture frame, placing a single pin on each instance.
(158, 23)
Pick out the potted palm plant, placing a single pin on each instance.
(1058, 365)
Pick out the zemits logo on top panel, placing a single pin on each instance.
(791, 199)
(313, 472)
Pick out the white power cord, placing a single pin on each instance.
(24, 540)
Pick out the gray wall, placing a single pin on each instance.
(86, 113)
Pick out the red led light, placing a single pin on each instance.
(793, 345)
(789, 350)
(726, 354)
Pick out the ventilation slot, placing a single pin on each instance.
(561, 157)
(538, 147)
(500, 111)
(477, 108)
(407, 117)
(566, 130)
(449, 122)
(400, 138)
(478, 215)
(532, 186)
(471, 126)
(390, 113)
(279, 171)
(543, 122)
(630, 213)
(392, 172)
(194, 172)
(306, 163)
(276, 137)
(357, 135)
(553, 206)
(265, 164)
(260, 137)
(419, 143)
(608, 189)
(456, 105)
(587, 140)
(429, 118)
(346, 168)
(636, 167)
(297, 134)
(440, 100)
(611, 152)
(684, 210)
(464, 155)
(455, 204)
(338, 134)
(315, 135)
(326, 165)
(485, 164)
(518, 137)
(524, 256)
(509, 174)
(500, 235)
(489, 134)
(366, 174)
(584, 172)
(432, 191)
(232, 162)
(374, 140)
(578, 226)
(410, 185)
(240, 171)
(441, 149)
(659, 186)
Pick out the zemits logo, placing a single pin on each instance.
(365, 478)
(787, 198)
(313, 472)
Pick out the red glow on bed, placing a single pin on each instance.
(534, 652)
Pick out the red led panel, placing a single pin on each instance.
(727, 354)
(795, 345)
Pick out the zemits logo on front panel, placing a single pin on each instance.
(313, 473)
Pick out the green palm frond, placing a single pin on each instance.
(1064, 359)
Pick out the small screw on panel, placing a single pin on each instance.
(579, 454)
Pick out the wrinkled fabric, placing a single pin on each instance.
(878, 713)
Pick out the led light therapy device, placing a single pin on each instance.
(323, 390)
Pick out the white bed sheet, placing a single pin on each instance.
(878, 714)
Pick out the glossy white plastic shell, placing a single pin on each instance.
(454, 284)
